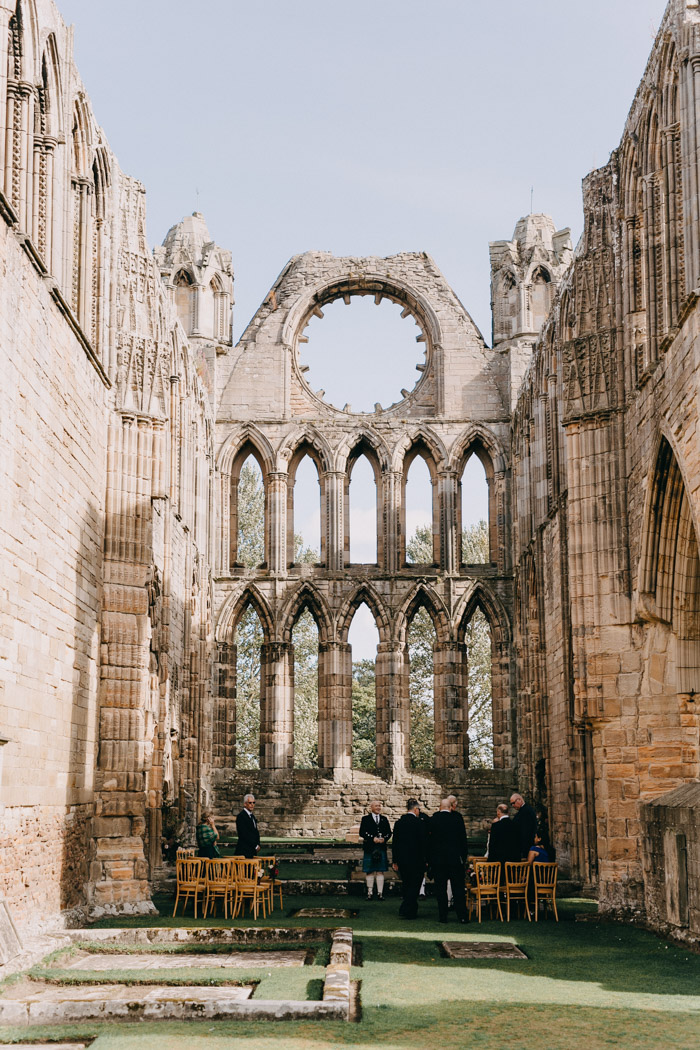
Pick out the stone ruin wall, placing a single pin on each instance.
(106, 431)
(606, 479)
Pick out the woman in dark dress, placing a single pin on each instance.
(375, 832)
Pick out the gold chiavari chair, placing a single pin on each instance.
(218, 885)
(517, 876)
(545, 881)
(247, 886)
(270, 881)
(189, 873)
(487, 888)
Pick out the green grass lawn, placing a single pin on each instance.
(583, 985)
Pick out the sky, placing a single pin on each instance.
(363, 129)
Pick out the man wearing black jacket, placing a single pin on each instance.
(525, 821)
(409, 857)
(448, 855)
(504, 841)
(247, 829)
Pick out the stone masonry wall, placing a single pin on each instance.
(52, 480)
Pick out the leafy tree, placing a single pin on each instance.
(364, 715)
(475, 544)
(249, 638)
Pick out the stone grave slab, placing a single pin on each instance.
(481, 950)
(214, 961)
(10, 944)
(54, 1046)
(324, 913)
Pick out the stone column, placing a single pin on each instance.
(277, 704)
(689, 83)
(394, 542)
(333, 541)
(276, 523)
(5, 15)
(451, 706)
(335, 705)
(450, 539)
(118, 879)
(393, 727)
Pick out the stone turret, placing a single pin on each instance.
(525, 272)
(199, 276)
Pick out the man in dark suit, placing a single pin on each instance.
(525, 820)
(448, 855)
(247, 829)
(409, 856)
(504, 841)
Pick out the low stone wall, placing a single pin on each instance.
(315, 803)
(671, 858)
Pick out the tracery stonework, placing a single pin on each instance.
(126, 415)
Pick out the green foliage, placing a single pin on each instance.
(421, 638)
(475, 544)
(249, 638)
(364, 715)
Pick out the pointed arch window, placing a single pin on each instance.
(478, 647)
(184, 292)
(419, 522)
(540, 294)
(248, 509)
(305, 638)
(475, 509)
(363, 638)
(421, 642)
(220, 311)
(248, 640)
(363, 535)
(305, 508)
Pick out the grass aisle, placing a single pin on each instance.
(583, 986)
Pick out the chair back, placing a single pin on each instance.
(185, 851)
(517, 873)
(189, 869)
(245, 872)
(218, 871)
(545, 874)
(488, 873)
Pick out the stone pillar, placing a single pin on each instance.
(450, 538)
(689, 82)
(224, 729)
(118, 880)
(333, 536)
(451, 706)
(277, 703)
(394, 542)
(393, 723)
(335, 705)
(276, 553)
(5, 15)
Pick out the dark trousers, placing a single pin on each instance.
(454, 874)
(411, 879)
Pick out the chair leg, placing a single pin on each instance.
(554, 905)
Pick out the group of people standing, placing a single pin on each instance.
(246, 829)
(438, 844)
(420, 842)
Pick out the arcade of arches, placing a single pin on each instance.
(127, 600)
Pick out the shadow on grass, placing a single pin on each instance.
(449, 1026)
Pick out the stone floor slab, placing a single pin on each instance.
(214, 961)
(482, 950)
(324, 913)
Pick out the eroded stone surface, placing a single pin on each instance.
(209, 961)
(482, 950)
(324, 913)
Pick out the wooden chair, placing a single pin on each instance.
(247, 886)
(487, 888)
(517, 877)
(189, 872)
(545, 880)
(185, 851)
(218, 875)
(269, 864)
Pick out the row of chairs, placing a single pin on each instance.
(233, 880)
(494, 882)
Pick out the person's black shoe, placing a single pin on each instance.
(380, 896)
(442, 920)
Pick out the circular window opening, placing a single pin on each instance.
(362, 353)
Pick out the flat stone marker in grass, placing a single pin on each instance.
(324, 913)
(179, 960)
(481, 950)
(54, 1046)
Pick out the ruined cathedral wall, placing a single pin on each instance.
(622, 350)
(52, 480)
(106, 454)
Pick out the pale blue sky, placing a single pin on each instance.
(363, 129)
